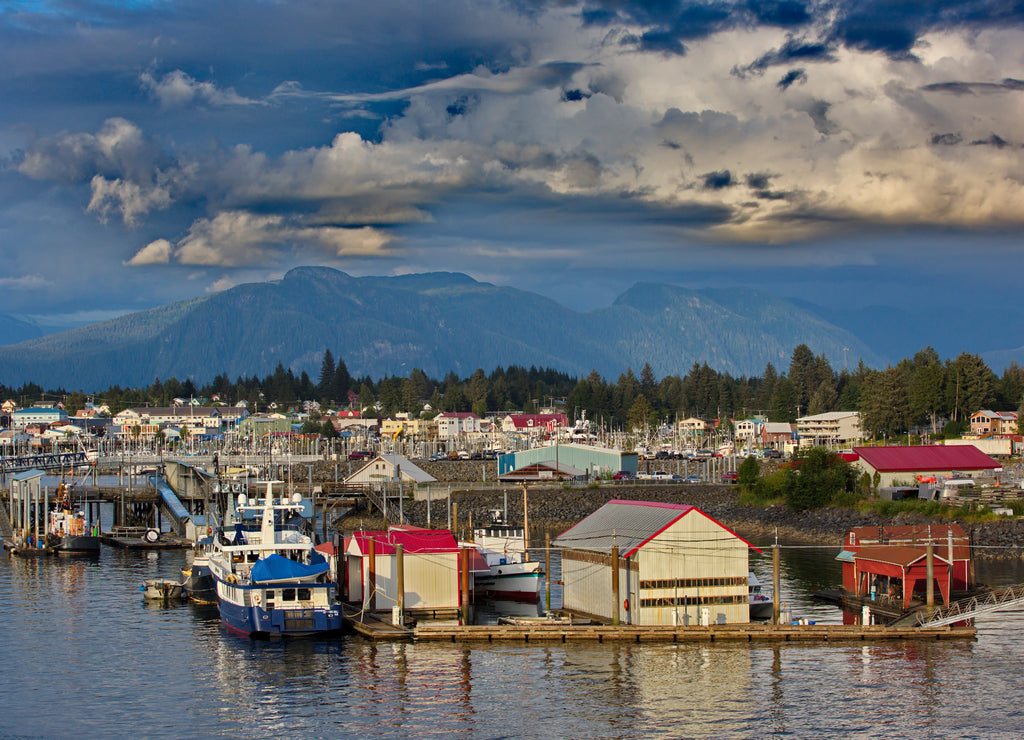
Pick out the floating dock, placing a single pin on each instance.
(377, 628)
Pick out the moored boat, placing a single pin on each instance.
(512, 576)
(196, 579)
(761, 603)
(68, 532)
(270, 582)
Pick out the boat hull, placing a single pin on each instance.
(86, 545)
(199, 584)
(511, 584)
(258, 623)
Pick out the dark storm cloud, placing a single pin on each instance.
(794, 50)
(717, 180)
(948, 139)
(791, 77)
(994, 141)
(971, 88)
(818, 111)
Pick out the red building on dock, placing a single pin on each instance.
(892, 561)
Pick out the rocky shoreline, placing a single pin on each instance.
(553, 510)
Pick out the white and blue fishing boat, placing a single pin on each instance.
(270, 580)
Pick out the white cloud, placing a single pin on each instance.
(157, 252)
(239, 238)
(176, 89)
(131, 199)
(24, 282)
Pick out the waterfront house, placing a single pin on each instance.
(676, 565)
(994, 422)
(832, 428)
(454, 424)
(390, 468)
(533, 425)
(778, 435)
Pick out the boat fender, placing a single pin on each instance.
(152, 535)
(625, 604)
(499, 571)
(209, 530)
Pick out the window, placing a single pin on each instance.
(288, 594)
(304, 594)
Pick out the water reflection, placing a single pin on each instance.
(80, 637)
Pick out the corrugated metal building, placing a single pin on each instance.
(902, 464)
(431, 561)
(592, 461)
(674, 562)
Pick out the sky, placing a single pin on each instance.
(863, 156)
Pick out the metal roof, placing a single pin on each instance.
(626, 524)
(904, 557)
(926, 458)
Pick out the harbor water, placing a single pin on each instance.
(84, 656)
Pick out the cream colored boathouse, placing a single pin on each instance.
(676, 566)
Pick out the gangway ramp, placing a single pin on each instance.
(171, 502)
(1009, 597)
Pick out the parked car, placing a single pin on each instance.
(660, 475)
(730, 477)
(624, 475)
(691, 479)
(773, 454)
(464, 455)
(438, 456)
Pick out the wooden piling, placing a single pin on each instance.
(371, 577)
(400, 581)
(615, 585)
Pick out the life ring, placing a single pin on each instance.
(256, 599)
(625, 604)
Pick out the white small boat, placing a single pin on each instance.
(512, 576)
(157, 589)
(761, 603)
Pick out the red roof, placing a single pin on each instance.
(419, 541)
(926, 458)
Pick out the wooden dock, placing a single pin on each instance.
(717, 633)
(376, 627)
(134, 538)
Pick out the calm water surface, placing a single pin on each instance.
(83, 656)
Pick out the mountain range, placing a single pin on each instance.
(438, 322)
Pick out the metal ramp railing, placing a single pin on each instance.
(44, 461)
(958, 611)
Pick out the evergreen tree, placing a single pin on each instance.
(326, 384)
(342, 383)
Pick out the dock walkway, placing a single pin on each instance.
(376, 627)
(715, 633)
